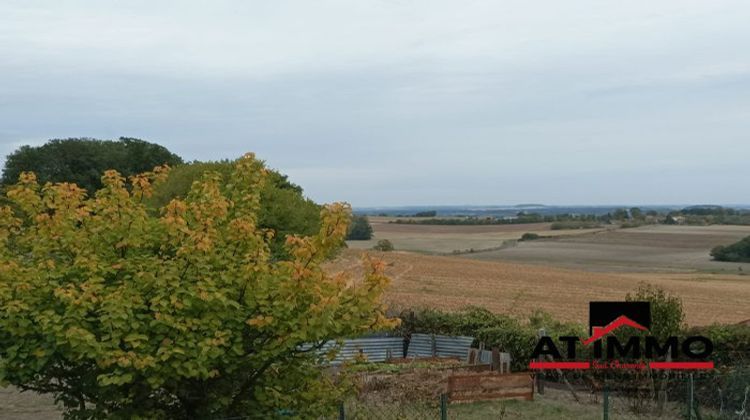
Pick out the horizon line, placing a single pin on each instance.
(390, 206)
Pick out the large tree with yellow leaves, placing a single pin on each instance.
(123, 312)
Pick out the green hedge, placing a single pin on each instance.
(731, 343)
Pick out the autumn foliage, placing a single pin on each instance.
(124, 311)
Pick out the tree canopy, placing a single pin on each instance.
(360, 229)
(121, 312)
(283, 207)
(82, 161)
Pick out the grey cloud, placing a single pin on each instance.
(395, 103)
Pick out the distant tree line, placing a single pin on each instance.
(428, 213)
(709, 215)
(431, 213)
(623, 217)
(520, 218)
(575, 224)
(709, 211)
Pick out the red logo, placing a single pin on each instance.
(547, 356)
(621, 321)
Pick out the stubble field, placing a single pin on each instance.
(644, 249)
(446, 239)
(519, 289)
(562, 274)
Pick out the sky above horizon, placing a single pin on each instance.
(388, 103)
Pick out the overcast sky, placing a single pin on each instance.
(403, 102)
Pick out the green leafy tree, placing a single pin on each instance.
(123, 313)
(620, 214)
(360, 229)
(81, 161)
(283, 207)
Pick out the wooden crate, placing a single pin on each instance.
(490, 386)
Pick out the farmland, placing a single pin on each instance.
(440, 239)
(649, 248)
(455, 282)
(559, 274)
(562, 274)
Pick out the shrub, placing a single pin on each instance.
(737, 252)
(729, 381)
(731, 343)
(383, 245)
(529, 236)
(632, 224)
(122, 313)
(511, 337)
(667, 316)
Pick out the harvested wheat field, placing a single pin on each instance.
(446, 239)
(650, 248)
(453, 282)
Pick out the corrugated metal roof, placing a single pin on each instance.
(380, 349)
(374, 349)
(457, 346)
(430, 345)
(421, 345)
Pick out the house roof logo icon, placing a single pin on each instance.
(621, 321)
(606, 317)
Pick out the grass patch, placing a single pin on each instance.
(541, 408)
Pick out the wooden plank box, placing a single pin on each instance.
(490, 386)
